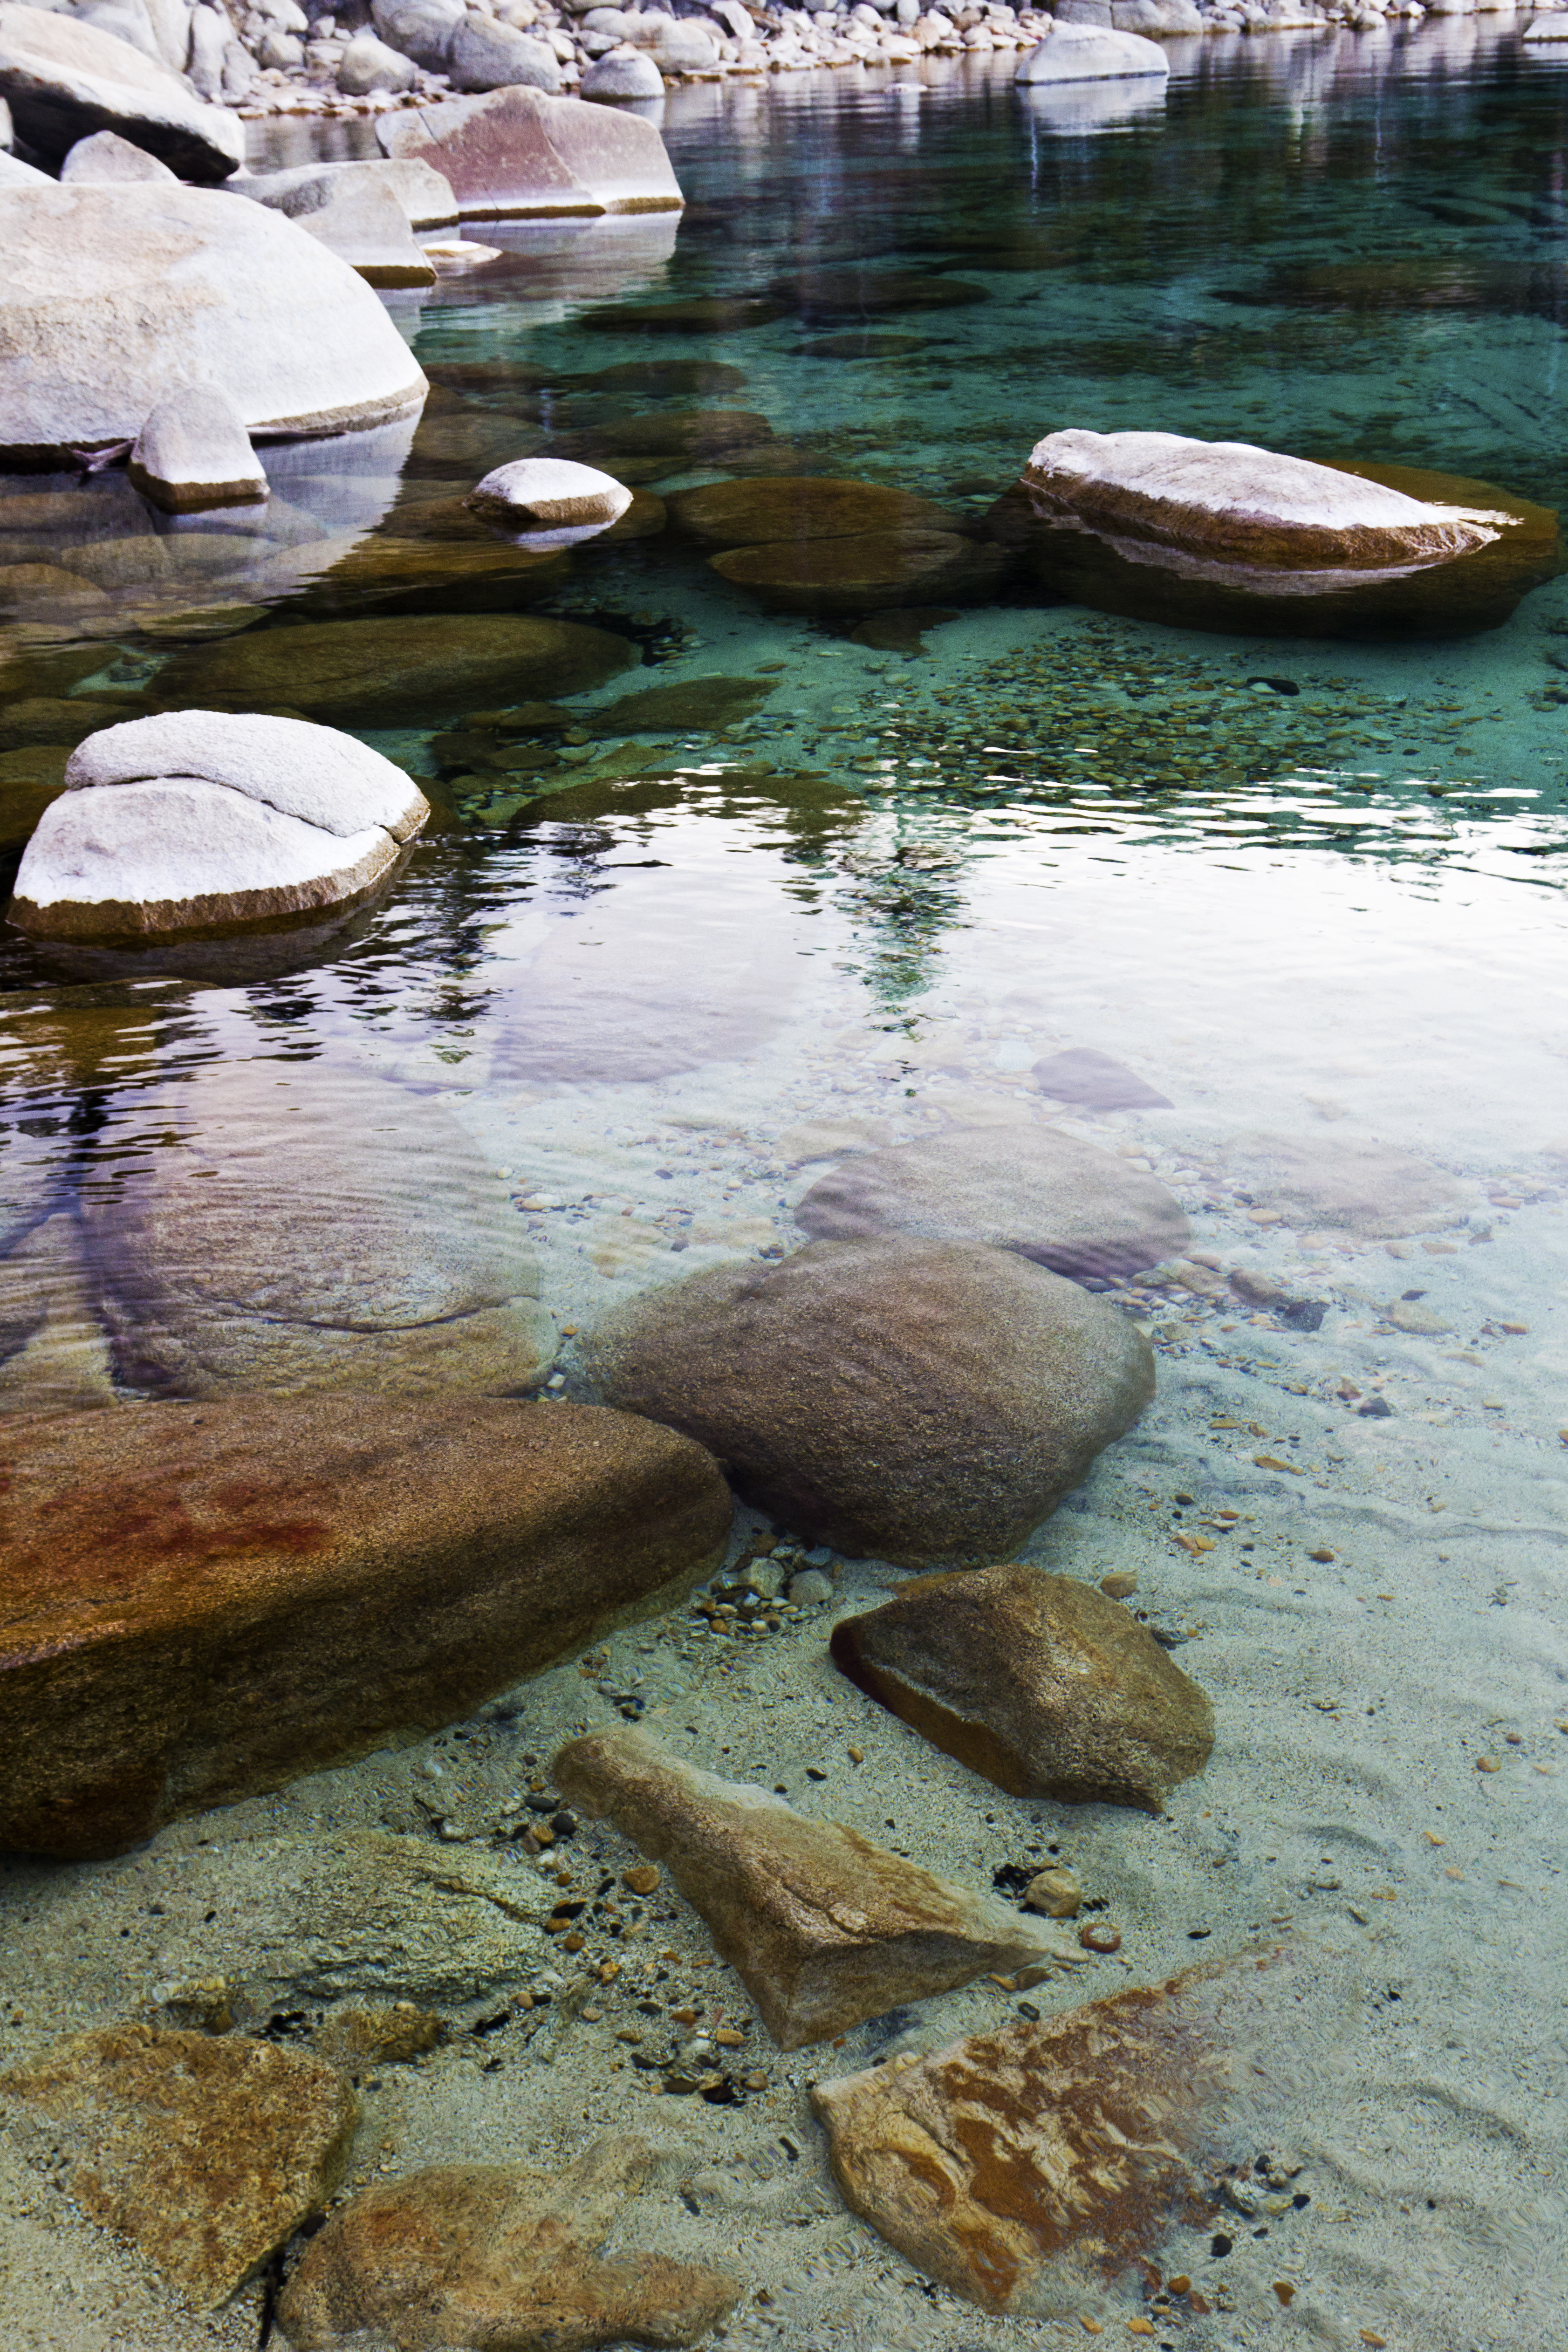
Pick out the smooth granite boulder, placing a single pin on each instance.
(623, 73)
(108, 160)
(1090, 53)
(867, 573)
(426, 198)
(193, 452)
(113, 297)
(199, 1603)
(763, 509)
(1039, 1682)
(368, 64)
(420, 29)
(1066, 1203)
(486, 54)
(916, 1400)
(540, 493)
(824, 1929)
(356, 214)
(519, 153)
(64, 79)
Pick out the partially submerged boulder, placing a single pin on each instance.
(865, 574)
(113, 297)
(355, 214)
(519, 153)
(761, 510)
(543, 493)
(824, 1929)
(426, 198)
(1222, 535)
(917, 1401)
(199, 1605)
(193, 452)
(199, 817)
(65, 80)
(1039, 1682)
(1073, 52)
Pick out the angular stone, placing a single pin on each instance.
(379, 672)
(206, 2151)
(108, 158)
(1030, 2168)
(517, 153)
(65, 80)
(193, 452)
(864, 574)
(1067, 1204)
(115, 295)
(1039, 1682)
(824, 1929)
(1080, 1074)
(199, 1603)
(763, 508)
(356, 214)
(501, 2256)
(914, 1401)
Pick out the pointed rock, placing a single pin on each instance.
(1038, 1682)
(194, 451)
(824, 1929)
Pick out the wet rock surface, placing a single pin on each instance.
(824, 1929)
(918, 1401)
(1038, 1682)
(499, 2256)
(763, 509)
(203, 1601)
(1065, 1204)
(206, 2152)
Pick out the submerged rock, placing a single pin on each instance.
(1222, 535)
(1080, 1074)
(824, 1929)
(695, 703)
(764, 508)
(379, 672)
(917, 1401)
(207, 2151)
(196, 818)
(515, 153)
(704, 314)
(199, 1605)
(65, 80)
(499, 2256)
(1361, 1188)
(1038, 1682)
(864, 574)
(1029, 2167)
(1067, 1204)
(870, 293)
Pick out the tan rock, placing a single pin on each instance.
(207, 2151)
(387, 2035)
(1027, 2168)
(1056, 1893)
(1039, 1682)
(1322, 1182)
(499, 2256)
(199, 1603)
(763, 508)
(866, 573)
(824, 1929)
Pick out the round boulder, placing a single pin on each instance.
(912, 1401)
(1066, 1204)
(864, 574)
(623, 73)
(543, 493)
(1092, 53)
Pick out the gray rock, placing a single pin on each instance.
(1067, 1204)
(369, 63)
(426, 198)
(1363, 1187)
(420, 29)
(685, 46)
(811, 1589)
(916, 1400)
(1080, 1074)
(193, 452)
(353, 211)
(14, 174)
(65, 80)
(624, 73)
(485, 54)
(1095, 51)
(219, 67)
(106, 158)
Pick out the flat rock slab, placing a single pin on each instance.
(1039, 1682)
(913, 1400)
(199, 1602)
(1097, 1081)
(1069, 1205)
(762, 509)
(499, 2256)
(1029, 2168)
(207, 2151)
(824, 1929)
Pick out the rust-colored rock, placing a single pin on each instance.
(199, 1601)
(1039, 1682)
(207, 2152)
(498, 2256)
(824, 1929)
(1028, 2167)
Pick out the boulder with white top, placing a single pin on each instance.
(355, 214)
(1221, 535)
(197, 819)
(114, 297)
(64, 79)
(193, 452)
(548, 493)
(623, 73)
(1073, 52)
(519, 155)
(107, 161)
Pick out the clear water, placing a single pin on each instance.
(1333, 914)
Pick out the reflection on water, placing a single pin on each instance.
(658, 963)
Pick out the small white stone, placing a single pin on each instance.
(550, 492)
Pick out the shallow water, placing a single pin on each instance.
(1309, 891)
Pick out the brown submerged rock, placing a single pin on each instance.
(824, 1929)
(199, 1602)
(502, 2257)
(378, 672)
(1027, 2168)
(697, 702)
(1361, 1188)
(207, 2151)
(1070, 1205)
(705, 314)
(866, 572)
(916, 1400)
(763, 508)
(1038, 1682)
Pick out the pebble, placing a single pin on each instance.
(645, 1879)
(809, 1587)
(1056, 1893)
(1119, 1585)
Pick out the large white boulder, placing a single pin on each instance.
(356, 215)
(538, 493)
(65, 80)
(485, 54)
(426, 198)
(520, 155)
(198, 818)
(111, 297)
(193, 453)
(1092, 53)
